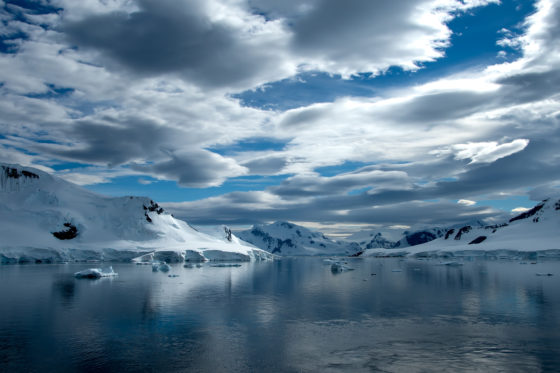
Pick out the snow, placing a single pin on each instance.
(35, 205)
(94, 273)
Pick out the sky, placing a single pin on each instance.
(338, 115)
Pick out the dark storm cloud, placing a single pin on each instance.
(195, 169)
(266, 165)
(445, 106)
(314, 185)
(235, 209)
(529, 87)
(333, 23)
(147, 147)
(172, 37)
(114, 142)
(537, 165)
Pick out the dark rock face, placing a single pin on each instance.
(228, 233)
(477, 240)
(67, 234)
(529, 213)
(465, 229)
(420, 238)
(274, 245)
(449, 233)
(287, 225)
(153, 207)
(15, 174)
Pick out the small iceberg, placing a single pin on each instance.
(338, 267)
(160, 266)
(95, 273)
(450, 264)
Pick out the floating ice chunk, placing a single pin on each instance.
(225, 265)
(450, 264)
(160, 266)
(96, 273)
(338, 267)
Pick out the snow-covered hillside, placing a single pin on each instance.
(534, 231)
(45, 218)
(284, 238)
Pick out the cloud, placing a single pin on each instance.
(189, 40)
(316, 186)
(487, 152)
(143, 87)
(268, 165)
(194, 168)
(466, 202)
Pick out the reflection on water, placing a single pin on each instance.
(287, 315)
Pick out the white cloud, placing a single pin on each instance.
(519, 210)
(486, 152)
(466, 202)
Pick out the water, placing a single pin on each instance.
(291, 315)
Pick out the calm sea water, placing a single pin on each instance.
(290, 315)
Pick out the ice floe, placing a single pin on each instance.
(94, 273)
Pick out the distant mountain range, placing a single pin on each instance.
(283, 238)
(536, 229)
(535, 232)
(47, 219)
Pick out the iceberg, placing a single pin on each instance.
(160, 266)
(338, 267)
(95, 273)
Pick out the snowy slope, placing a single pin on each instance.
(284, 238)
(49, 219)
(535, 232)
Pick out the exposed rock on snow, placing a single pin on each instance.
(47, 219)
(94, 273)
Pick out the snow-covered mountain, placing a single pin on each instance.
(284, 238)
(536, 230)
(45, 218)
(371, 240)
